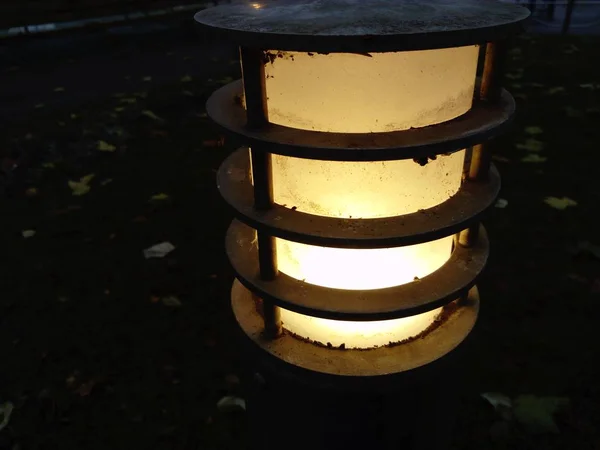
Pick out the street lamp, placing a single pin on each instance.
(357, 242)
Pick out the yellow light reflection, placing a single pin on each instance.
(351, 93)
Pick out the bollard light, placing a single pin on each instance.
(357, 243)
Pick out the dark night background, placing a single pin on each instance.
(106, 150)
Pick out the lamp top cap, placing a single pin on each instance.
(363, 25)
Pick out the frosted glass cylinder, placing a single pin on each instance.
(353, 93)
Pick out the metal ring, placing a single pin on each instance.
(444, 285)
(483, 121)
(352, 363)
(449, 217)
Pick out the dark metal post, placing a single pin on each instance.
(568, 14)
(550, 9)
(253, 75)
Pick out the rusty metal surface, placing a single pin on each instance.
(363, 25)
(482, 122)
(444, 285)
(358, 363)
(452, 216)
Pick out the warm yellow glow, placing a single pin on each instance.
(357, 334)
(256, 5)
(353, 93)
(358, 93)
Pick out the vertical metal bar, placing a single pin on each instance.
(568, 14)
(253, 77)
(550, 9)
(493, 71)
(490, 91)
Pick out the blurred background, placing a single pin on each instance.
(106, 152)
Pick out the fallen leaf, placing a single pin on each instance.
(560, 203)
(129, 100)
(6, 410)
(576, 277)
(187, 58)
(229, 403)
(500, 158)
(159, 250)
(159, 197)
(39, 105)
(515, 51)
(141, 94)
(572, 112)
(516, 85)
(147, 79)
(556, 90)
(28, 233)
(534, 130)
(534, 158)
(571, 48)
(151, 115)
(591, 86)
(119, 108)
(586, 248)
(104, 146)
(225, 80)
(171, 300)
(61, 124)
(74, 116)
(188, 93)
(106, 181)
(59, 89)
(517, 74)
(531, 145)
(501, 203)
(48, 165)
(31, 192)
(536, 413)
(186, 79)
(497, 400)
(82, 186)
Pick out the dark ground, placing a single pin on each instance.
(94, 351)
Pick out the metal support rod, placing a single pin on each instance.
(493, 71)
(550, 9)
(253, 76)
(481, 158)
(568, 14)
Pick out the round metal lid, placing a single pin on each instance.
(363, 25)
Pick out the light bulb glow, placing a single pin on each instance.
(360, 93)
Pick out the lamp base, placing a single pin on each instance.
(292, 409)
(298, 405)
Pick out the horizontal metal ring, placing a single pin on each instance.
(444, 285)
(449, 217)
(483, 121)
(358, 363)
